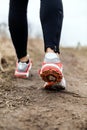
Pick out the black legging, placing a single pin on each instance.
(51, 16)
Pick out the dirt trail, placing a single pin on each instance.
(25, 105)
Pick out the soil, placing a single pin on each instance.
(26, 105)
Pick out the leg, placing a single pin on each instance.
(19, 33)
(18, 26)
(51, 15)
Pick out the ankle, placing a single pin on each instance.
(49, 50)
(24, 59)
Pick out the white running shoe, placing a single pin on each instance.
(22, 69)
(51, 71)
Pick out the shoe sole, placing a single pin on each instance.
(21, 75)
(51, 75)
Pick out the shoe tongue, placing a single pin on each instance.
(51, 57)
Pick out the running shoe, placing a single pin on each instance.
(51, 70)
(22, 69)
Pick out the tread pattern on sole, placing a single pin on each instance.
(51, 76)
